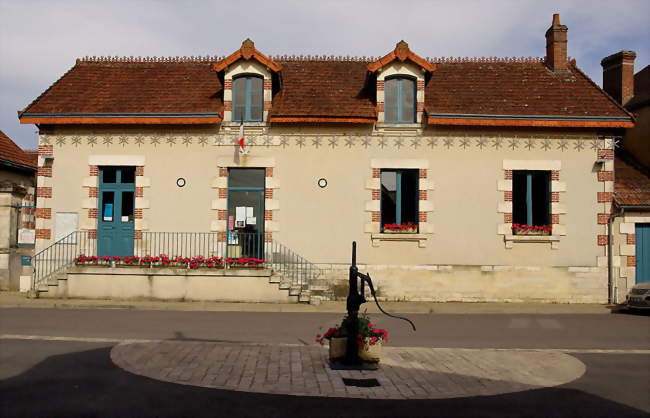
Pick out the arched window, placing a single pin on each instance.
(399, 100)
(248, 98)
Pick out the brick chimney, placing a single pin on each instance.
(556, 40)
(618, 75)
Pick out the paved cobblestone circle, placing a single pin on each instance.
(405, 372)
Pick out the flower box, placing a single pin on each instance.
(370, 352)
(518, 229)
(408, 228)
(337, 347)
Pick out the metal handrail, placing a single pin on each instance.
(279, 258)
(61, 254)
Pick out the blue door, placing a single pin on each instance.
(642, 253)
(115, 224)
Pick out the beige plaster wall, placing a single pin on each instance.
(320, 224)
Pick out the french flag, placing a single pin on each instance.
(242, 140)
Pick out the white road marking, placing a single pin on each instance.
(137, 340)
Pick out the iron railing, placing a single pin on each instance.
(60, 255)
(292, 268)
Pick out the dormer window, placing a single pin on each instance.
(248, 98)
(399, 100)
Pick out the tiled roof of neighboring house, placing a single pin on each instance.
(641, 89)
(12, 153)
(632, 182)
(325, 88)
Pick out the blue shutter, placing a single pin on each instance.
(399, 100)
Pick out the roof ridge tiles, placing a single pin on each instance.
(285, 57)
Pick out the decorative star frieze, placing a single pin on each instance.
(268, 141)
(529, 143)
(123, 140)
(415, 142)
(60, 140)
(366, 141)
(349, 142)
(563, 144)
(171, 140)
(107, 140)
(497, 142)
(284, 142)
(432, 142)
(333, 142)
(76, 140)
(139, 140)
(513, 143)
(203, 140)
(381, 142)
(92, 140)
(45, 139)
(300, 141)
(399, 142)
(546, 144)
(594, 144)
(578, 145)
(448, 142)
(481, 143)
(155, 139)
(464, 142)
(187, 140)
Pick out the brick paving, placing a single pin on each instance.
(405, 372)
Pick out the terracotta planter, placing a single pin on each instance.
(337, 347)
(370, 352)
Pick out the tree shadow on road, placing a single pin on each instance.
(87, 384)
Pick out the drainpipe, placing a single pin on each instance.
(611, 288)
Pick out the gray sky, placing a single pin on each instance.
(40, 40)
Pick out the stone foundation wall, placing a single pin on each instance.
(447, 283)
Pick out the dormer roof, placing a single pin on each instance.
(401, 53)
(247, 52)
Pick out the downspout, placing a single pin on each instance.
(611, 289)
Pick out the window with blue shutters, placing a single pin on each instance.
(399, 200)
(399, 100)
(248, 99)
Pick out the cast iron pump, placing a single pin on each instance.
(354, 301)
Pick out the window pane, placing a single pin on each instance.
(128, 174)
(541, 198)
(408, 100)
(239, 91)
(246, 177)
(256, 83)
(238, 113)
(390, 114)
(388, 197)
(127, 207)
(519, 197)
(109, 174)
(390, 92)
(108, 206)
(410, 196)
(256, 113)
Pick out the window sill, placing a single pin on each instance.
(421, 239)
(552, 239)
(397, 128)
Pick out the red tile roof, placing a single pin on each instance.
(329, 89)
(632, 182)
(515, 88)
(133, 87)
(12, 153)
(342, 89)
(402, 52)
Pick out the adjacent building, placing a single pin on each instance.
(630, 263)
(479, 179)
(17, 222)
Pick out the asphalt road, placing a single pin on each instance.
(77, 378)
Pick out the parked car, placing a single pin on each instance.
(639, 296)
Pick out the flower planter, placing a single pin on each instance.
(337, 347)
(367, 352)
(370, 352)
(400, 231)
